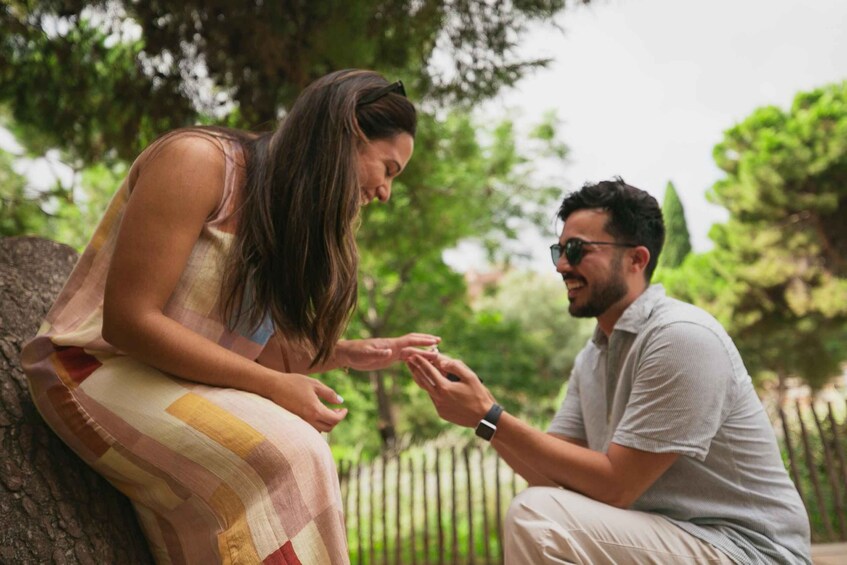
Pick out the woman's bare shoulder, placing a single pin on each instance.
(190, 163)
(182, 153)
(185, 146)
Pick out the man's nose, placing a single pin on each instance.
(562, 265)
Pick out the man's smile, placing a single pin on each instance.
(574, 284)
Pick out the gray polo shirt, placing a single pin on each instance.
(670, 380)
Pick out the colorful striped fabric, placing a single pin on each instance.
(216, 475)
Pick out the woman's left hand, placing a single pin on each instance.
(378, 353)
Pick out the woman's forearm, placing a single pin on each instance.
(169, 346)
(288, 356)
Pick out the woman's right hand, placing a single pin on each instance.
(302, 395)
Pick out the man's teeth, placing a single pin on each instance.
(573, 285)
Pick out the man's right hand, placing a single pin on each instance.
(464, 402)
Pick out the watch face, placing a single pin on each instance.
(485, 430)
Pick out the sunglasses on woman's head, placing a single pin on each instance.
(574, 249)
(375, 95)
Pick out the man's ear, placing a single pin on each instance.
(640, 258)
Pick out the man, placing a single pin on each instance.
(661, 451)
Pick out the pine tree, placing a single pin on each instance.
(677, 239)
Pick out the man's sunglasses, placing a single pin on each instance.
(375, 95)
(574, 249)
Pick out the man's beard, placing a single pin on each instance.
(603, 294)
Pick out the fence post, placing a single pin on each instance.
(792, 461)
(371, 517)
(486, 549)
(813, 475)
(471, 548)
(360, 554)
(425, 509)
(830, 472)
(438, 506)
(498, 507)
(454, 514)
(344, 485)
(384, 507)
(839, 450)
(397, 521)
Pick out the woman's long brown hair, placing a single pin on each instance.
(294, 257)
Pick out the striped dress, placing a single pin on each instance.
(216, 475)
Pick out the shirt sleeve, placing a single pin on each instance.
(679, 394)
(568, 420)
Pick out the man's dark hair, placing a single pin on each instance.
(634, 215)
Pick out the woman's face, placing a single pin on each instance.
(380, 161)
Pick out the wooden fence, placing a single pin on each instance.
(446, 505)
(814, 441)
(443, 505)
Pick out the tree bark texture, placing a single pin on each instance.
(53, 507)
(385, 413)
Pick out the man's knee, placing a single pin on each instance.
(528, 530)
(535, 510)
(524, 505)
(541, 504)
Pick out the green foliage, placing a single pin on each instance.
(81, 92)
(19, 215)
(700, 280)
(76, 218)
(818, 470)
(63, 213)
(677, 240)
(195, 57)
(98, 80)
(777, 277)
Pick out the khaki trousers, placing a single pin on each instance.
(548, 525)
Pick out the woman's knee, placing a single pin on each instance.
(312, 449)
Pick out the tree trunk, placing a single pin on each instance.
(385, 413)
(53, 508)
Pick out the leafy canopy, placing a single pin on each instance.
(778, 273)
(99, 80)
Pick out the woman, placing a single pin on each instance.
(223, 270)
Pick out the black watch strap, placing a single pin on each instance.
(488, 425)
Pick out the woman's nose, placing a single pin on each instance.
(383, 191)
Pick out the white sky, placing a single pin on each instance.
(645, 88)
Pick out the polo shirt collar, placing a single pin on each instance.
(635, 316)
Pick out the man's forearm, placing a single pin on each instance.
(555, 461)
(522, 468)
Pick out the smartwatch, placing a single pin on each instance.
(488, 425)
